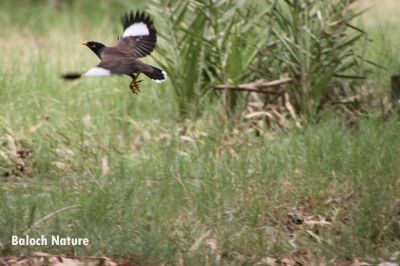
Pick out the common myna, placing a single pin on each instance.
(138, 40)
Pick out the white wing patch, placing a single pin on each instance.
(136, 29)
(161, 80)
(97, 72)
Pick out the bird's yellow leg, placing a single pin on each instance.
(134, 86)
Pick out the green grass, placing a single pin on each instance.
(157, 190)
(381, 23)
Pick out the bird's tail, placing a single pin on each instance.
(156, 74)
(70, 76)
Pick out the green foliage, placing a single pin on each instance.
(206, 42)
(182, 51)
(315, 44)
(209, 42)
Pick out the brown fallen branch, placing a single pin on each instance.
(258, 86)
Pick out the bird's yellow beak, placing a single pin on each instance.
(84, 43)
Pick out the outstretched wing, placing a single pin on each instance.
(140, 36)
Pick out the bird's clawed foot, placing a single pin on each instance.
(134, 86)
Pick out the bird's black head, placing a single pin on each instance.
(96, 47)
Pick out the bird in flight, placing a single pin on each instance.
(138, 40)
